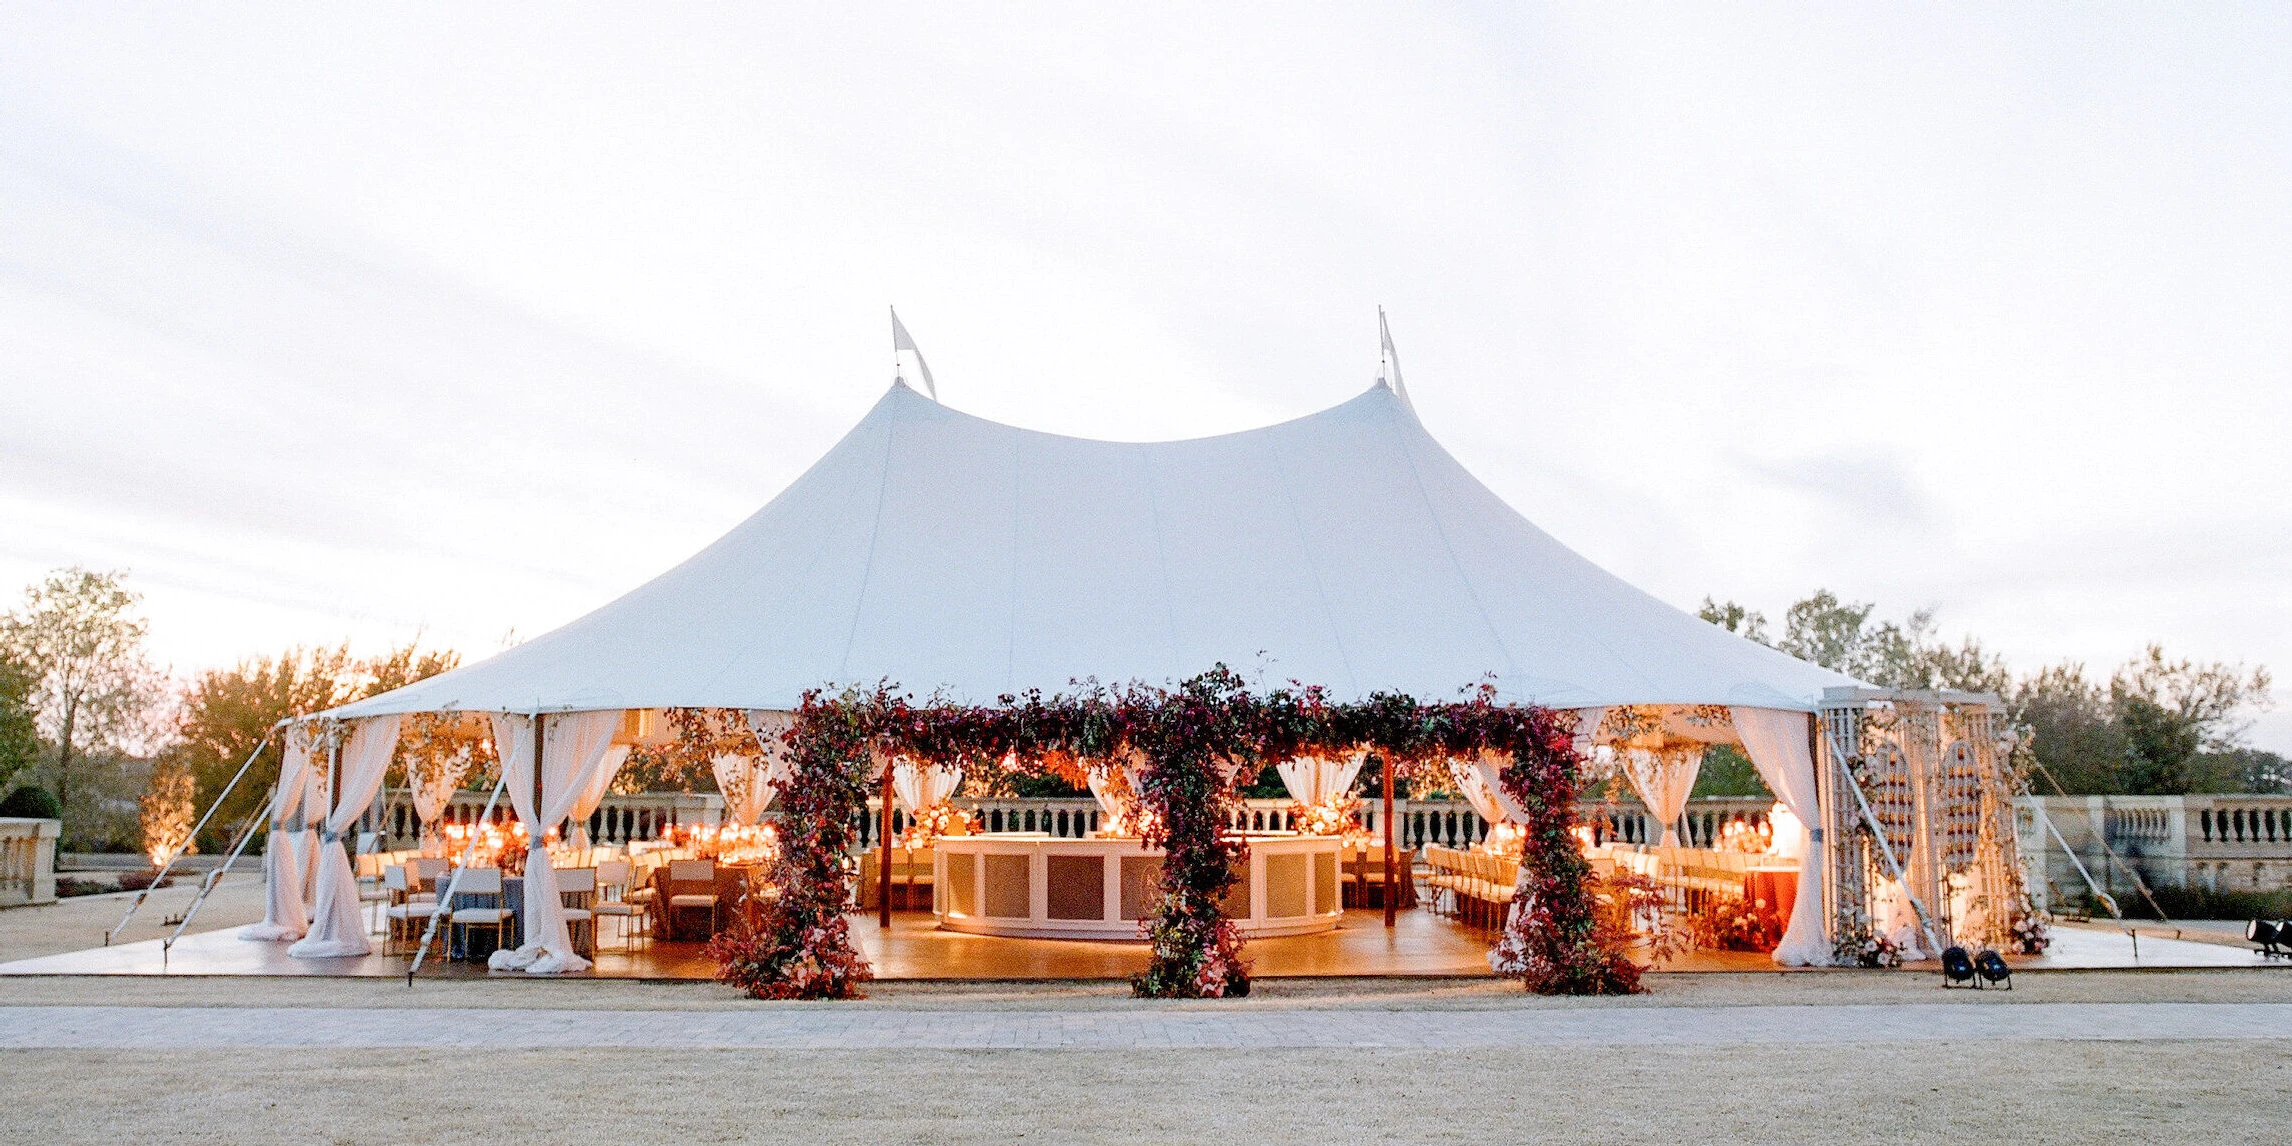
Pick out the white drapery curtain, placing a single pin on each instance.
(1488, 773)
(313, 817)
(922, 786)
(285, 914)
(1312, 780)
(575, 749)
(1118, 801)
(1475, 790)
(432, 791)
(1663, 781)
(749, 781)
(1110, 798)
(593, 793)
(337, 919)
(1777, 742)
(1588, 729)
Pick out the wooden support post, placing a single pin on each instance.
(538, 826)
(883, 892)
(1385, 770)
(540, 830)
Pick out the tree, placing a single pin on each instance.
(93, 689)
(19, 727)
(2172, 711)
(1836, 634)
(2073, 728)
(1746, 623)
(224, 713)
(2157, 726)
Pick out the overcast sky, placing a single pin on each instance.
(354, 322)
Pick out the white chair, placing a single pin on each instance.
(619, 900)
(405, 917)
(371, 890)
(688, 874)
(426, 871)
(577, 889)
(481, 881)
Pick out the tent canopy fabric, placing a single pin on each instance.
(950, 554)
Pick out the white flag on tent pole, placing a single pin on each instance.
(1389, 366)
(901, 340)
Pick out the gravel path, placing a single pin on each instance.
(125, 1028)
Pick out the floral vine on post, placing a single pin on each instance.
(1183, 752)
(798, 945)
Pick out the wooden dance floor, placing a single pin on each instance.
(1422, 944)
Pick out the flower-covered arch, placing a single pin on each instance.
(1188, 749)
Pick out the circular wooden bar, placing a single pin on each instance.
(1033, 885)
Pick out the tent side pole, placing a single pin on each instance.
(214, 877)
(161, 875)
(446, 897)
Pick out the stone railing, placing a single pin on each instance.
(28, 861)
(1418, 823)
(619, 819)
(2215, 842)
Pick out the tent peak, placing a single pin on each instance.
(906, 400)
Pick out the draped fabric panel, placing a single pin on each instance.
(749, 781)
(1588, 729)
(286, 916)
(1777, 742)
(1476, 792)
(432, 791)
(1481, 781)
(1663, 781)
(574, 750)
(919, 787)
(1110, 796)
(337, 920)
(593, 793)
(1117, 799)
(313, 817)
(1312, 780)
(1488, 773)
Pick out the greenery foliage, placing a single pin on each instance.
(1186, 750)
(31, 802)
(2156, 726)
(225, 712)
(19, 727)
(92, 691)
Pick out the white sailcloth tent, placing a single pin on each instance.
(945, 552)
(957, 556)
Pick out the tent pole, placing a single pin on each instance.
(1385, 770)
(883, 890)
(540, 830)
(201, 826)
(213, 877)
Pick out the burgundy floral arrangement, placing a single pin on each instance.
(1188, 749)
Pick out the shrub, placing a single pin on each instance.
(138, 880)
(32, 802)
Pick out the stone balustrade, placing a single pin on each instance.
(28, 860)
(2214, 842)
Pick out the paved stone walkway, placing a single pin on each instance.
(832, 1028)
